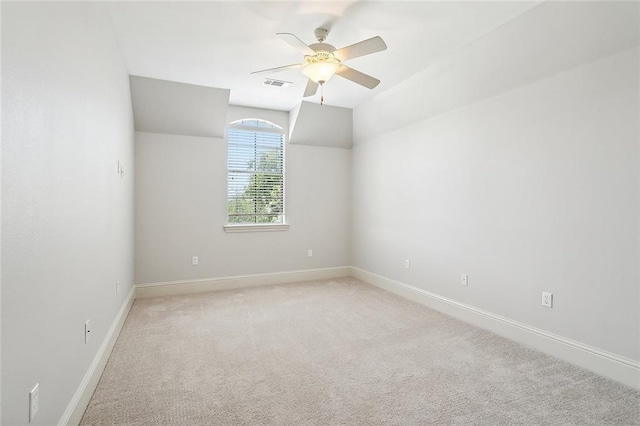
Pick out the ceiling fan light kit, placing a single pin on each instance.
(322, 61)
(321, 69)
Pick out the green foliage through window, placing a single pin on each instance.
(255, 177)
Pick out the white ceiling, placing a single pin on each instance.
(218, 44)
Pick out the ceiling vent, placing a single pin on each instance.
(276, 83)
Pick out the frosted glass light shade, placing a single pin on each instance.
(321, 71)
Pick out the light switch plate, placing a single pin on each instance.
(87, 331)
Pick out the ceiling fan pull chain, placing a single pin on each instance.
(321, 93)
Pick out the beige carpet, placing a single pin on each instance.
(334, 352)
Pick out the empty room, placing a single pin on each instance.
(320, 213)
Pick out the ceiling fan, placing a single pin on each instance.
(322, 60)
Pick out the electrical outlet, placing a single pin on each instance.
(87, 331)
(547, 299)
(34, 402)
(407, 264)
(117, 288)
(464, 280)
(194, 260)
(309, 253)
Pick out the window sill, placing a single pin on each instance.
(257, 228)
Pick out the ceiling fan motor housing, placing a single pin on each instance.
(322, 47)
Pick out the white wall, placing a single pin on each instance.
(551, 37)
(321, 125)
(181, 210)
(67, 216)
(534, 189)
(235, 112)
(1, 72)
(161, 106)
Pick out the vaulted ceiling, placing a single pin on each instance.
(218, 44)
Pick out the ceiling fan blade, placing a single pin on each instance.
(311, 89)
(296, 43)
(365, 47)
(277, 69)
(358, 77)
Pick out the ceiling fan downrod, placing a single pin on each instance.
(321, 34)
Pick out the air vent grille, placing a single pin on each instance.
(276, 83)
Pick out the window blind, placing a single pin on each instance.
(255, 172)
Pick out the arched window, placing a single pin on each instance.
(255, 172)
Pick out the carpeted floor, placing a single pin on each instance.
(334, 352)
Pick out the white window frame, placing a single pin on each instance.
(269, 128)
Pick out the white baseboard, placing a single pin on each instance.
(607, 364)
(173, 288)
(620, 369)
(73, 414)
